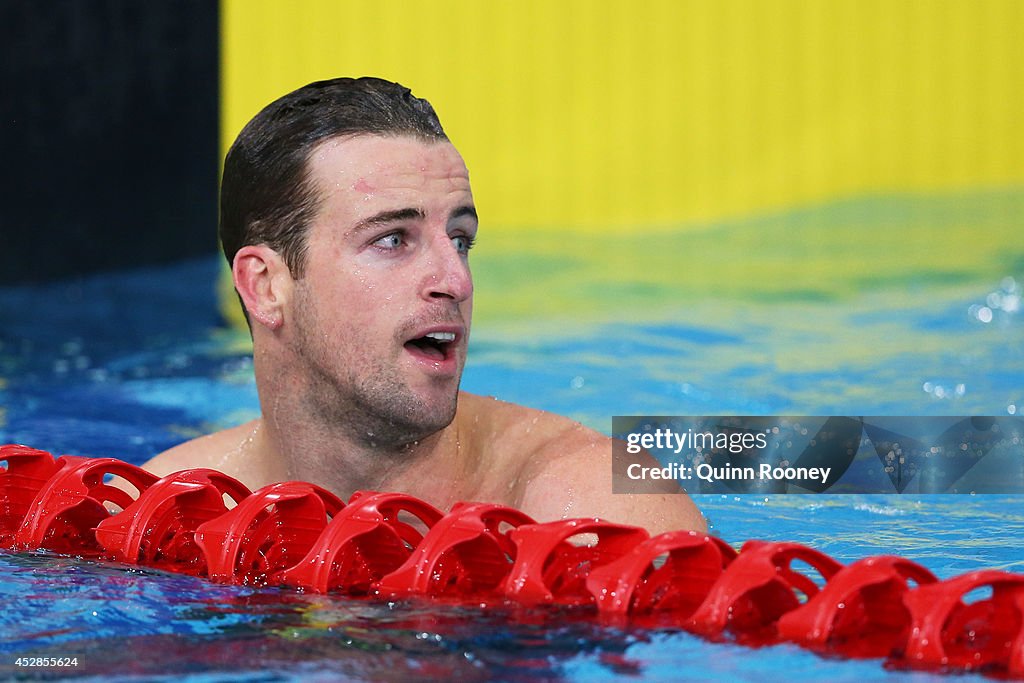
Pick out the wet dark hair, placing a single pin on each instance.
(267, 195)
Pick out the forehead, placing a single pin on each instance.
(372, 167)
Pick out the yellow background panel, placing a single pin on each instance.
(623, 114)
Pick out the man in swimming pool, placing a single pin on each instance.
(347, 218)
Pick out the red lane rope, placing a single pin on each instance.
(204, 523)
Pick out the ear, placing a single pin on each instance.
(263, 282)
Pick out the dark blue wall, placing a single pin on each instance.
(108, 134)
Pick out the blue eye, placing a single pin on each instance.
(463, 243)
(390, 241)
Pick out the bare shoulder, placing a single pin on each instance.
(562, 469)
(211, 450)
(576, 480)
(512, 429)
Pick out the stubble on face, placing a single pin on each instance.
(355, 307)
(373, 404)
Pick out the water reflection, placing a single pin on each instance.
(124, 621)
(834, 310)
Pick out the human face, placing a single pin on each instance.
(382, 311)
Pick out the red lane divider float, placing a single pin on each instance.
(204, 523)
(757, 588)
(158, 529)
(861, 611)
(363, 543)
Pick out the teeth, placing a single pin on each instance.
(441, 336)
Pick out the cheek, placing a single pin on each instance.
(362, 304)
(346, 295)
(360, 313)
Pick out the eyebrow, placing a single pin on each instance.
(386, 217)
(465, 210)
(399, 215)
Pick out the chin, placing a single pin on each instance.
(440, 414)
(414, 420)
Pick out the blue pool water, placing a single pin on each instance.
(128, 364)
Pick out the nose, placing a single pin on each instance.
(447, 273)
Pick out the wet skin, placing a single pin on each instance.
(358, 358)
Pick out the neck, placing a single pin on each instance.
(294, 445)
(308, 433)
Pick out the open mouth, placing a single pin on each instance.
(433, 345)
